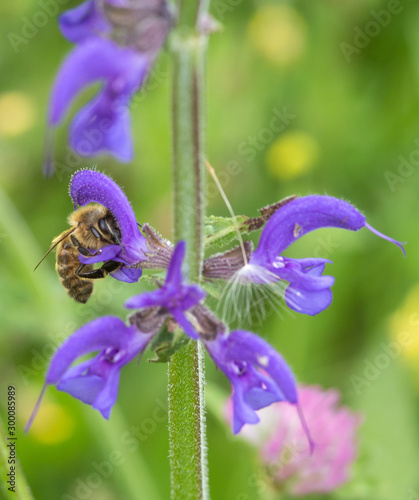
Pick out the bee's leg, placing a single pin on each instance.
(100, 273)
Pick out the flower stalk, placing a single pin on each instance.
(186, 370)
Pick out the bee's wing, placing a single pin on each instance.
(56, 241)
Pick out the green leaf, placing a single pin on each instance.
(221, 232)
(166, 344)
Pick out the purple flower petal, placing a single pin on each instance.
(102, 255)
(99, 334)
(90, 186)
(82, 22)
(301, 216)
(307, 302)
(95, 382)
(175, 296)
(127, 274)
(258, 374)
(104, 123)
(308, 291)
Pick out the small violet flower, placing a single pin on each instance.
(258, 374)
(90, 186)
(96, 381)
(174, 296)
(308, 291)
(118, 57)
(283, 447)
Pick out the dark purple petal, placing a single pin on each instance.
(84, 388)
(306, 301)
(97, 59)
(248, 347)
(127, 274)
(182, 297)
(189, 297)
(307, 278)
(108, 395)
(95, 382)
(308, 291)
(147, 299)
(175, 296)
(299, 217)
(102, 255)
(103, 126)
(82, 22)
(99, 334)
(174, 271)
(258, 374)
(90, 186)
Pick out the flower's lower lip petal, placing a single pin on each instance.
(258, 398)
(308, 302)
(127, 275)
(85, 388)
(105, 254)
(242, 412)
(306, 280)
(108, 395)
(87, 136)
(248, 347)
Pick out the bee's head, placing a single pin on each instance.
(97, 223)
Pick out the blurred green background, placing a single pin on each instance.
(349, 102)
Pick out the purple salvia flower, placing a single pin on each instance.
(103, 124)
(89, 186)
(96, 381)
(83, 22)
(258, 374)
(175, 295)
(308, 291)
(117, 41)
(283, 447)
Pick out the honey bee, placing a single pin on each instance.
(92, 228)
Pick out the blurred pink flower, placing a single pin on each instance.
(284, 448)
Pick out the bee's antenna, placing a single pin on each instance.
(55, 242)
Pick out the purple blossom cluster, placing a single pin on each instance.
(116, 42)
(259, 376)
(115, 45)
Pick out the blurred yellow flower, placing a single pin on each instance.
(406, 321)
(278, 32)
(292, 154)
(52, 424)
(17, 113)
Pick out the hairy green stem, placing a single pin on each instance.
(186, 370)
